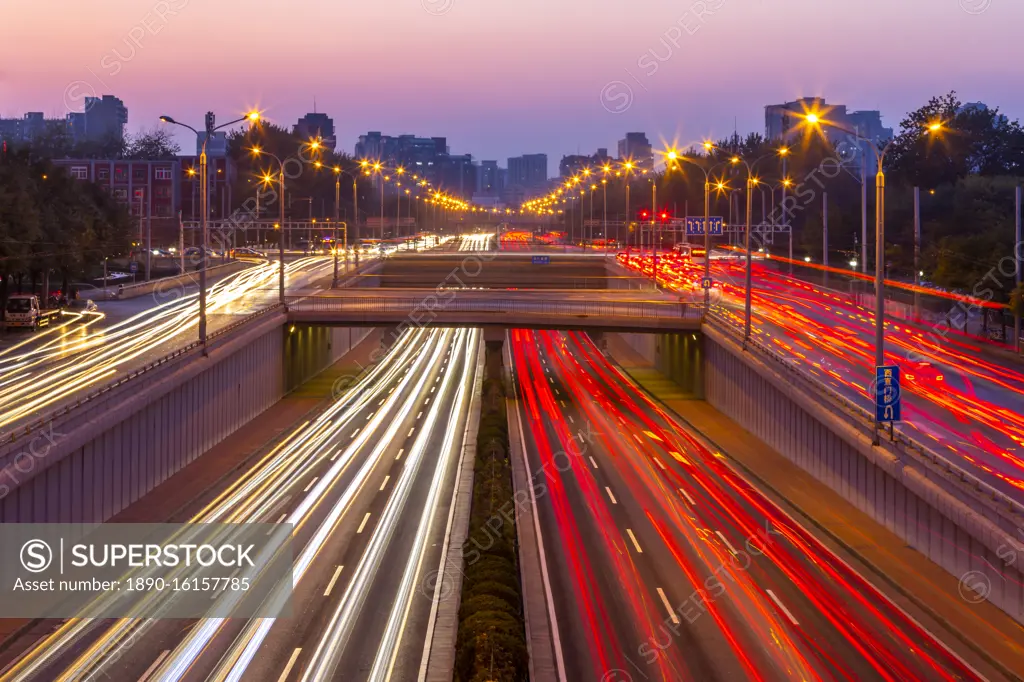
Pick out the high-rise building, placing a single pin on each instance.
(780, 120)
(636, 148)
(317, 125)
(427, 157)
(105, 118)
(30, 126)
(488, 179)
(456, 174)
(529, 171)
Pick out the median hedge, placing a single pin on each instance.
(491, 643)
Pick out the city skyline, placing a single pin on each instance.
(651, 77)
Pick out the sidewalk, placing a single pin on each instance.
(980, 633)
(174, 500)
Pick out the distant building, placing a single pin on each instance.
(528, 172)
(573, 164)
(456, 174)
(637, 148)
(981, 107)
(780, 120)
(216, 147)
(105, 118)
(317, 125)
(488, 179)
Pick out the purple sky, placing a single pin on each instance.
(500, 79)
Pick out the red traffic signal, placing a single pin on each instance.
(643, 214)
(664, 216)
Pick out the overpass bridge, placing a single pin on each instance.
(602, 309)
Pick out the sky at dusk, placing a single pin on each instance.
(500, 79)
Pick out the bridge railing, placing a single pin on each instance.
(437, 303)
(854, 413)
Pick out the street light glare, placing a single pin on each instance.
(812, 118)
(253, 116)
(167, 119)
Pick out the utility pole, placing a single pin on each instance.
(824, 234)
(1018, 247)
(917, 251)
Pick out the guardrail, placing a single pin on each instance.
(20, 431)
(189, 277)
(858, 416)
(647, 310)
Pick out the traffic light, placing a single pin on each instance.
(211, 121)
(643, 214)
(664, 216)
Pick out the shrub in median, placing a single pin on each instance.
(491, 642)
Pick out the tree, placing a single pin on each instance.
(152, 145)
(972, 141)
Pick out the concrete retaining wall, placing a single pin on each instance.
(959, 527)
(97, 459)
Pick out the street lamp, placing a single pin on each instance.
(933, 128)
(253, 117)
(256, 151)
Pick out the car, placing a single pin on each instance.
(81, 305)
(246, 252)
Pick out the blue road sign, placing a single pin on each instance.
(705, 282)
(542, 260)
(133, 267)
(887, 393)
(695, 225)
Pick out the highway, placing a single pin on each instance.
(965, 404)
(666, 565)
(367, 485)
(41, 370)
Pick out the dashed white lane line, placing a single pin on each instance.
(726, 541)
(659, 463)
(381, 402)
(687, 496)
(399, 455)
(668, 606)
(433, 388)
(356, 432)
(582, 438)
(336, 455)
(593, 463)
(635, 543)
(291, 664)
(411, 432)
(154, 665)
(420, 414)
(610, 495)
(385, 483)
(281, 518)
(363, 524)
(427, 402)
(370, 416)
(310, 484)
(571, 420)
(783, 607)
(334, 579)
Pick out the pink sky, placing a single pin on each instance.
(505, 78)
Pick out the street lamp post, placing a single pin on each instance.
(204, 199)
(935, 127)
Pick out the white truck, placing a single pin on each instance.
(24, 310)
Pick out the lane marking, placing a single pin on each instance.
(610, 495)
(433, 388)
(336, 455)
(581, 436)
(783, 607)
(593, 463)
(668, 606)
(635, 543)
(659, 463)
(381, 402)
(410, 431)
(420, 414)
(687, 496)
(400, 451)
(334, 579)
(727, 543)
(356, 432)
(310, 484)
(385, 483)
(370, 416)
(291, 664)
(363, 524)
(427, 402)
(277, 523)
(571, 420)
(154, 665)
